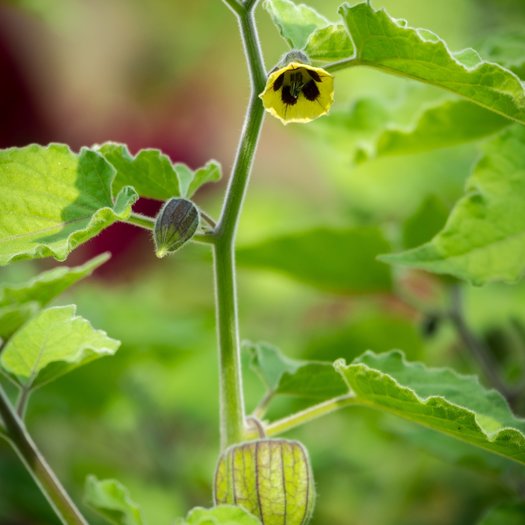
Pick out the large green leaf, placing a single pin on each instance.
(483, 239)
(53, 200)
(19, 302)
(112, 501)
(338, 260)
(428, 219)
(390, 45)
(437, 398)
(315, 380)
(152, 174)
(508, 49)
(53, 343)
(447, 124)
(220, 515)
(304, 28)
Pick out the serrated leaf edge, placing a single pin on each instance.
(437, 40)
(101, 219)
(340, 365)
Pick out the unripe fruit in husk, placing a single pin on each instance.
(271, 478)
(175, 225)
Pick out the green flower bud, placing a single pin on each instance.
(175, 225)
(271, 478)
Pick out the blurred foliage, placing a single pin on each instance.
(171, 74)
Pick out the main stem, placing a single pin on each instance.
(232, 413)
(35, 463)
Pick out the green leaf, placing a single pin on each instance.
(153, 175)
(507, 49)
(425, 222)
(314, 380)
(390, 45)
(13, 317)
(450, 123)
(269, 363)
(53, 200)
(437, 398)
(483, 239)
(295, 22)
(221, 515)
(191, 181)
(112, 501)
(305, 256)
(329, 44)
(505, 514)
(304, 28)
(19, 302)
(49, 284)
(51, 344)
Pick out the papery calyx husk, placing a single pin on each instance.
(271, 478)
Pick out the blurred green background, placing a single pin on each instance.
(171, 74)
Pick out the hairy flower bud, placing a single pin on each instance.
(271, 478)
(176, 223)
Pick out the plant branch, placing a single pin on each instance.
(476, 347)
(232, 414)
(35, 463)
(234, 5)
(307, 415)
(21, 402)
(342, 64)
(207, 219)
(142, 221)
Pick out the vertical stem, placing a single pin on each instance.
(477, 348)
(231, 393)
(37, 466)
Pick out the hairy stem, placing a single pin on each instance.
(342, 64)
(37, 466)
(231, 393)
(142, 221)
(307, 415)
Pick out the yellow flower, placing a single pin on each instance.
(298, 92)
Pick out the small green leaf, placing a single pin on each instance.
(304, 28)
(295, 22)
(437, 398)
(19, 302)
(389, 44)
(303, 256)
(51, 344)
(13, 317)
(450, 123)
(49, 284)
(220, 515)
(269, 363)
(53, 200)
(329, 43)
(315, 380)
(483, 239)
(190, 181)
(112, 501)
(152, 173)
(505, 514)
